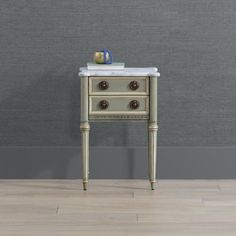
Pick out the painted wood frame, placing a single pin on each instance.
(149, 113)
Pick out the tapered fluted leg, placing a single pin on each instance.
(152, 131)
(152, 153)
(84, 127)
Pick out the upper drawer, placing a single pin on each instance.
(118, 85)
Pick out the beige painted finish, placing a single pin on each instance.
(84, 129)
(152, 132)
(84, 99)
(117, 208)
(118, 97)
(152, 152)
(119, 85)
(153, 100)
(118, 105)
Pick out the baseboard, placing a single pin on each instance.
(118, 162)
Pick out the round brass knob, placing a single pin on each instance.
(134, 104)
(103, 85)
(104, 104)
(134, 85)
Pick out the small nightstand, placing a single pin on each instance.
(129, 94)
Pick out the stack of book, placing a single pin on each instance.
(113, 66)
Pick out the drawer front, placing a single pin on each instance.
(118, 107)
(118, 85)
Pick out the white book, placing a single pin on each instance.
(113, 66)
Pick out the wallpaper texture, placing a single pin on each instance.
(43, 43)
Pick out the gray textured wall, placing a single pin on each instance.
(44, 42)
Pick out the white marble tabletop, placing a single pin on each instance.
(128, 71)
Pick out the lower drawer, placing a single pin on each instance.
(118, 107)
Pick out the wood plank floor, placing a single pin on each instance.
(117, 207)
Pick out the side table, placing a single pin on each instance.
(129, 94)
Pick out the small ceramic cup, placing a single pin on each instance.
(103, 57)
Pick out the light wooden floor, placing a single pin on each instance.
(117, 207)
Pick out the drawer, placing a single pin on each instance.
(119, 85)
(119, 107)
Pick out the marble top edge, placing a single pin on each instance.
(128, 71)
